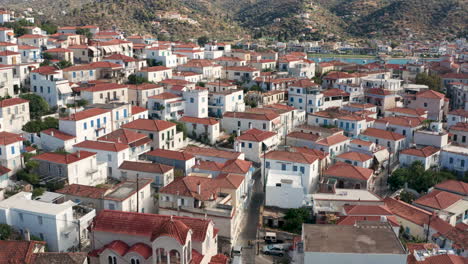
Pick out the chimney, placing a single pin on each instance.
(383, 219)
(52, 133)
(78, 154)
(27, 235)
(238, 132)
(199, 188)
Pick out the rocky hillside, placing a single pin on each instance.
(273, 19)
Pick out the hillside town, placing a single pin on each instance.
(119, 148)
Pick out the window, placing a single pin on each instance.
(85, 126)
(191, 100)
(109, 157)
(267, 164)
(451, 160)
(463, 139)
(300, 100)
(291, 99)
(91, 73)
(462, 163)
(302, 169)
(283, 167)
(48, 89)
(111, 206)
(92, 123)
(250, 145)
(135, 261)
(294, 168)
(238, 123)
(316, 120)
(12, 149)
(264, 126)
(41, 236)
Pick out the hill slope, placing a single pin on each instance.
(278, 19)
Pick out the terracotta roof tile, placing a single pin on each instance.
(211, 152)
(422, 152)
(7, 138)
(149, 125)
(165, 96)
(104, 146)
(255, 135)
(408, 211)
(16, 252)
(53, 132)
(145, 167)
(438, 199)
(345, 170)
(332, 140)
(254, 116)
(64, 158)
(384, 134)
(170, 154)
(430, 94)
(92, 112)
(453, 186)
(297, 157)
(355, 156)
(83, 191)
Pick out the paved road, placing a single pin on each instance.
(249, 231)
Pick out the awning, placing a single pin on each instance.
(64, 89)
(381, 156)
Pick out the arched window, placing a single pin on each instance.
(135, 261)
(110, 259)
(114, 259)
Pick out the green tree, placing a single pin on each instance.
(37, 192)
(407, 197)
(36, 126)
(84, 32)
(417, 177)
(294, 219)
(49, 27)
(64, 64)
(5, 231)
(432, 81)
(134, 79)
(37, 105)
(203, 40)
(181, 127)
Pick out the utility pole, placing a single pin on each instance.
(138, 193)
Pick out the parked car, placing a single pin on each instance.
(273, 250)
(236, 251)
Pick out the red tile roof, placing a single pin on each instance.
(4, 170)
(92, 112)
(149, 225)
(384, 134)
(99, 87)
(170, 154)
(83, 191)
(303, 135)
(104, 146)
(367, 210)
(378, 91)
(237, 166)
(9, 53)
(58, 50)
(64, 158)
(345, 170)
(256, 135)
(165, 96)
(332, 140)
(304, 83)
(351, 220)
(408, 111)
(120, 57)
(145, 167)
(453, 186)
(196, 120)
(149, 125)
(402, 121)
(138, 109)
(45, 70)
(459, 112)
(123, 136)
(297, 157)
(212, 152)
(254, 116)
(438, 199)
(58, 134)
(439, 259)
(144, 86)
(356, 156)
(430, 94)
(314, 152)
(7, 138)
(18, 252)
(219, 259)
(155, 69)
(407, 211)
(422, 152)
(12, 101)
(105, 64)
(460, 127)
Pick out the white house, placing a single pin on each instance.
(161, 174)
(403, 125)
(57, 224)
(254, 142)
(428, 156)
(102, 93)
(196, 102)
(234, 121)
(225, 101)
(162, 133)
(356, 158)
(162, 54)
(204, 128)
(80, 167)
(454, 158)
(395, 142)
(130, 196)
(156, 239)
(88, 124)
(284, 189)
(53, 139)
(166, 106)
(14, 114)
(137, 142)
(110, 153)
(11, 146)
(155, 74)
(457, 116)
(305, 165)
(49, 83)
(138, 94)
(305, 95)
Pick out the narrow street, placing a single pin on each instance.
(249, 230)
